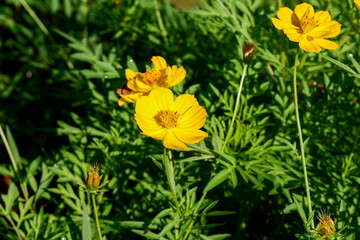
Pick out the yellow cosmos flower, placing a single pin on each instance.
(357, 3)
(176, 122)
(140, 84)
(308, 28)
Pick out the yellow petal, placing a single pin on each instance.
(130, 97)
(326, 44)
(173, 142)
(194, 117)
(129, 74)
(189, 135)
(176, 75)
(159, 62)
(164, 98)
(147, 124)
(286, 15)
(280, 24)
(326, 30)
(121, 102)
(138, 86)
(304, 9)
(322, 17)
(147, 106)
(293, 34)
(184, 102)
(357, 3)
(309, 45)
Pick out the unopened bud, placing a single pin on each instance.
(93, 178)
(248, 51)
(327, 225)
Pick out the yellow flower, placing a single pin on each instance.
(140, 84)
(357, 3)
(308, 28)
(176, 122)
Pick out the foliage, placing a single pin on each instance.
(59, 113)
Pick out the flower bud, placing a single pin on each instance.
(93, 178)
(327, 225)
(248, 51)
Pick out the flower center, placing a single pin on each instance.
(167, 118)
(308, 23)
(151, 76)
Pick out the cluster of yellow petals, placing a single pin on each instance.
(176, 122)
(307, 28)
(357, 3)
(141, 84)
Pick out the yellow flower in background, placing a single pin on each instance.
(140, 84)
(357, 3)
(307, 28)
(176, 122)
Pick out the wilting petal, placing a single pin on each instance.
(173, 142)
(326, 30)
(159, 62)
(190, 135)
(326, 44)
(309, 45)
(138, 86)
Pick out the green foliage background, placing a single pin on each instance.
(58, 108)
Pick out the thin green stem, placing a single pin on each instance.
(189, 229)
(96, 216)
(235, 109)
(13, 225)
(301, 141)
(45, 31)
(160, 22)
(13, 162)
(169, 171)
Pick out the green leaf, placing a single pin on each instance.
(131, 64)
(167, 228)
(216, 236)
(339, 64)
(13, 147)
(148, 234)
(86, 226)
(300, 211)
(220, 213)
(218, 179)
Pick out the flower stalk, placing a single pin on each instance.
(235, 109)
(301, 140)
(96, 216)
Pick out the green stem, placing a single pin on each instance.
(96, 216)
(13, 225)
(45, 31)
(189, 229)
(235, 109)
(160, 22)
(301, 141)
(13, 162)
(169, 171)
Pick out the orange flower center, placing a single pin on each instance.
(151, 76)
(167, 118)
(308, 23)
